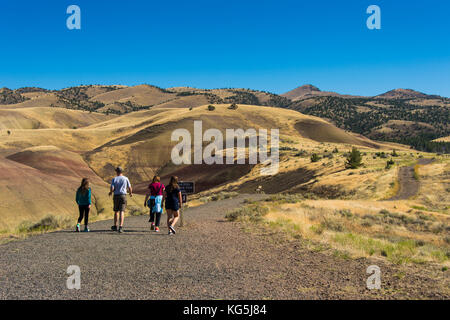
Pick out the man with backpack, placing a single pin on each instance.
(154, 200)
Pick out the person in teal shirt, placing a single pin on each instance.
(84, 201)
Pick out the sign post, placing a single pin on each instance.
(185, 188)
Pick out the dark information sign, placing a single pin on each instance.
(187, 187)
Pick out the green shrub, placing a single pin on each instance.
(315, 157)
(389, 163)
(319, 229)
(285, 198)
(301, 153)
(333, 225)
(211, 108)
(345, 213)
(252, 213)
(47, 223)
(136, 211)
(223, 195)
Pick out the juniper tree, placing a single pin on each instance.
(354, 159)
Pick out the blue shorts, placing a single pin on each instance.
(175, 206)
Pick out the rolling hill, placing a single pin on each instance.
(47, 118)
(43, 151)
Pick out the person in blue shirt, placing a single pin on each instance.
(83, 199)
(120, 186)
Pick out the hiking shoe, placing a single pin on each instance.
(156, 229)
(86, 229)
(114, 228)
(172, 229)
(152, 226)
(77, 229)
(120, 230)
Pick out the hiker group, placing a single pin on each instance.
(157, 197)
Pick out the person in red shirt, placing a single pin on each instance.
(154, 200)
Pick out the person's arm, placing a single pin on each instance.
(163, 204)
(147, 195)
(90, 197)
(129, 188)
(77, 198)
(180, 198)
(111, 189)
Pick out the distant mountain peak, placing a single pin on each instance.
(307, 90)
(309, 87)
(404, 94)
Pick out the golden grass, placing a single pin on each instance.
(434, 190)
(48, 118)
(416, 171)
(366, 228)
(443, 139)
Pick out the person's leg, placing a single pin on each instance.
(116, 210)
(152, 219)
(81, 210)
(116, 217)
(158, 218)
(169, 217)
(86, 215)
(152, 215)
(123, 206)
(122, 216)
(176, 216)
(80, 218)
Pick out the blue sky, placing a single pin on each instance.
(260, 44)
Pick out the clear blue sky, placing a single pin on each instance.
(272, 45)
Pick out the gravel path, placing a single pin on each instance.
(409, 186)
(209, 258)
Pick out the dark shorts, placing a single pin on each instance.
(175, 206)
(120, 202)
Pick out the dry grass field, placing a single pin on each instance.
(359, 220)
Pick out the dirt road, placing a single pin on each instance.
(409, 186)
(209, 258)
